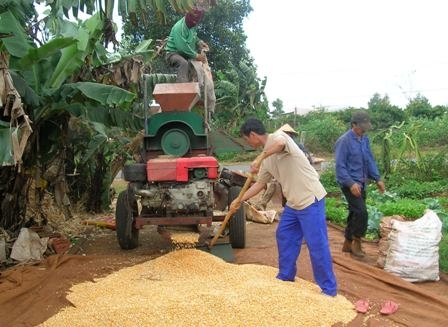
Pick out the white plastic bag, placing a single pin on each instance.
(414, 248)
(28, 246)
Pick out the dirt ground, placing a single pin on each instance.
(31, 294)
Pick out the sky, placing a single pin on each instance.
(338, 54)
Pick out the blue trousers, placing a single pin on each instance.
(308, 223)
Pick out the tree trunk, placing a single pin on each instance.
(13, 192)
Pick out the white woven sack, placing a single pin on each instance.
(414, 248)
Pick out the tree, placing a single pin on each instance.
(382, 113)
(439, 111)
(322, 129)
(420, 107)
(221, 28)
(240, 94)
(278, 108)
(61, 85)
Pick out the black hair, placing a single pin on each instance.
(252, 125)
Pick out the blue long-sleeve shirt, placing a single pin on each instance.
(354, 160)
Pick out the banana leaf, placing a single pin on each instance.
(18, 43)
(6, 158)
(104, 94)
(54, 46)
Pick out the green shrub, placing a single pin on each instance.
(436, 205)
(426, 132)
(336, 211)
(443, 253)
(432, 131)
(328, 180)
(424, 167)
(321, 134)
(443, 202)
(373, 224)
(409, 208)
(418, 190)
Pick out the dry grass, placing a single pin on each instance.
(57, 221)
(193, 288)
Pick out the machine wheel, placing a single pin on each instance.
(135, 172)
(175, 142)
(237, 224)
(125, 213)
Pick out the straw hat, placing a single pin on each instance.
(288, 129)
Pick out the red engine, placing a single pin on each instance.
(182, 169)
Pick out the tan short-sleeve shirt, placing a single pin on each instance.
(298, 178)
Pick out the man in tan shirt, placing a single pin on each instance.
(304, 212)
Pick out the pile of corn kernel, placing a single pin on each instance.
(190, 287)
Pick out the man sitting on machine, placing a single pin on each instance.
(184, 47)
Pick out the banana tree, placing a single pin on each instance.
(241, 93)
(125, 8)
(60, 82)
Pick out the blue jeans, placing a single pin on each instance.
(308, 223)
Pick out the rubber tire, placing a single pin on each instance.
(237, 224)
(221, 196)
(126, 210)
(135, 172)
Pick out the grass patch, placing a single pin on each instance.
(336, 211)
(443, 253)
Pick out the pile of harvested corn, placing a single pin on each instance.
(193, 288)
(184, 240)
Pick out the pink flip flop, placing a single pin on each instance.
(362, 306)
(389, 307)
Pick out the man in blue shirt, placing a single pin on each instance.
(355, 166)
